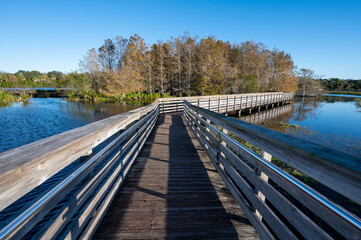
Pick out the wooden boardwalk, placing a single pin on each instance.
(173, 192)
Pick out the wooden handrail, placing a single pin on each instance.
(240, 167)
(25, 167)
(335, 169)
(120, 153)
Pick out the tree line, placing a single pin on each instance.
(32, 79)
(181, 66)
(340, 84)
(186, 65)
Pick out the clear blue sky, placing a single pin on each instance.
(53, 35)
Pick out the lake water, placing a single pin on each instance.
(332, 120)
(43, 117)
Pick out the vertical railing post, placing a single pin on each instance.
(207, 129)
(198, 102)
(209, 104)
(268, 157)
(240, 106)
(219, 104)
(234, 104)
(227, 107)
(266, 101)
(250, 110)
(224, 144)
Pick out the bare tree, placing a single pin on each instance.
(307, 82)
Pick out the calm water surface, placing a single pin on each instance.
(334, 121)
(21, 124)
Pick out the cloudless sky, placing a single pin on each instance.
(324, 36)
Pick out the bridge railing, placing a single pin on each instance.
(225, 103)
(278, 204)
(62, 185)
(75, 204)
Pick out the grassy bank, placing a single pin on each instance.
(7, 98)
(344, 92)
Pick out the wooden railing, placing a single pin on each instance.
(92, 162)
(227, 103)
(82, 198)
(277, 204)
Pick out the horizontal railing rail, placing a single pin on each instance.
(278, 204)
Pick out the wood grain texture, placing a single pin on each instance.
(173, 191)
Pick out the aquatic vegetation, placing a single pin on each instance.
(345, 143)
(7, 98)
(288, 125)
(345, 92)
(132, 98)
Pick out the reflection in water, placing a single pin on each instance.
(264, 116)
(92, 111)
(331, 121)
(43, 117)
(306, 108)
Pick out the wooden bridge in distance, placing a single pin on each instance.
(177, 169)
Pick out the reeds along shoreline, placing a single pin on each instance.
(7, 98)
(357, 93)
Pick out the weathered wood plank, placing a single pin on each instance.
(259, 226)
(173, 191)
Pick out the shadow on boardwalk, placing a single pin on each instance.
(172, 192)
